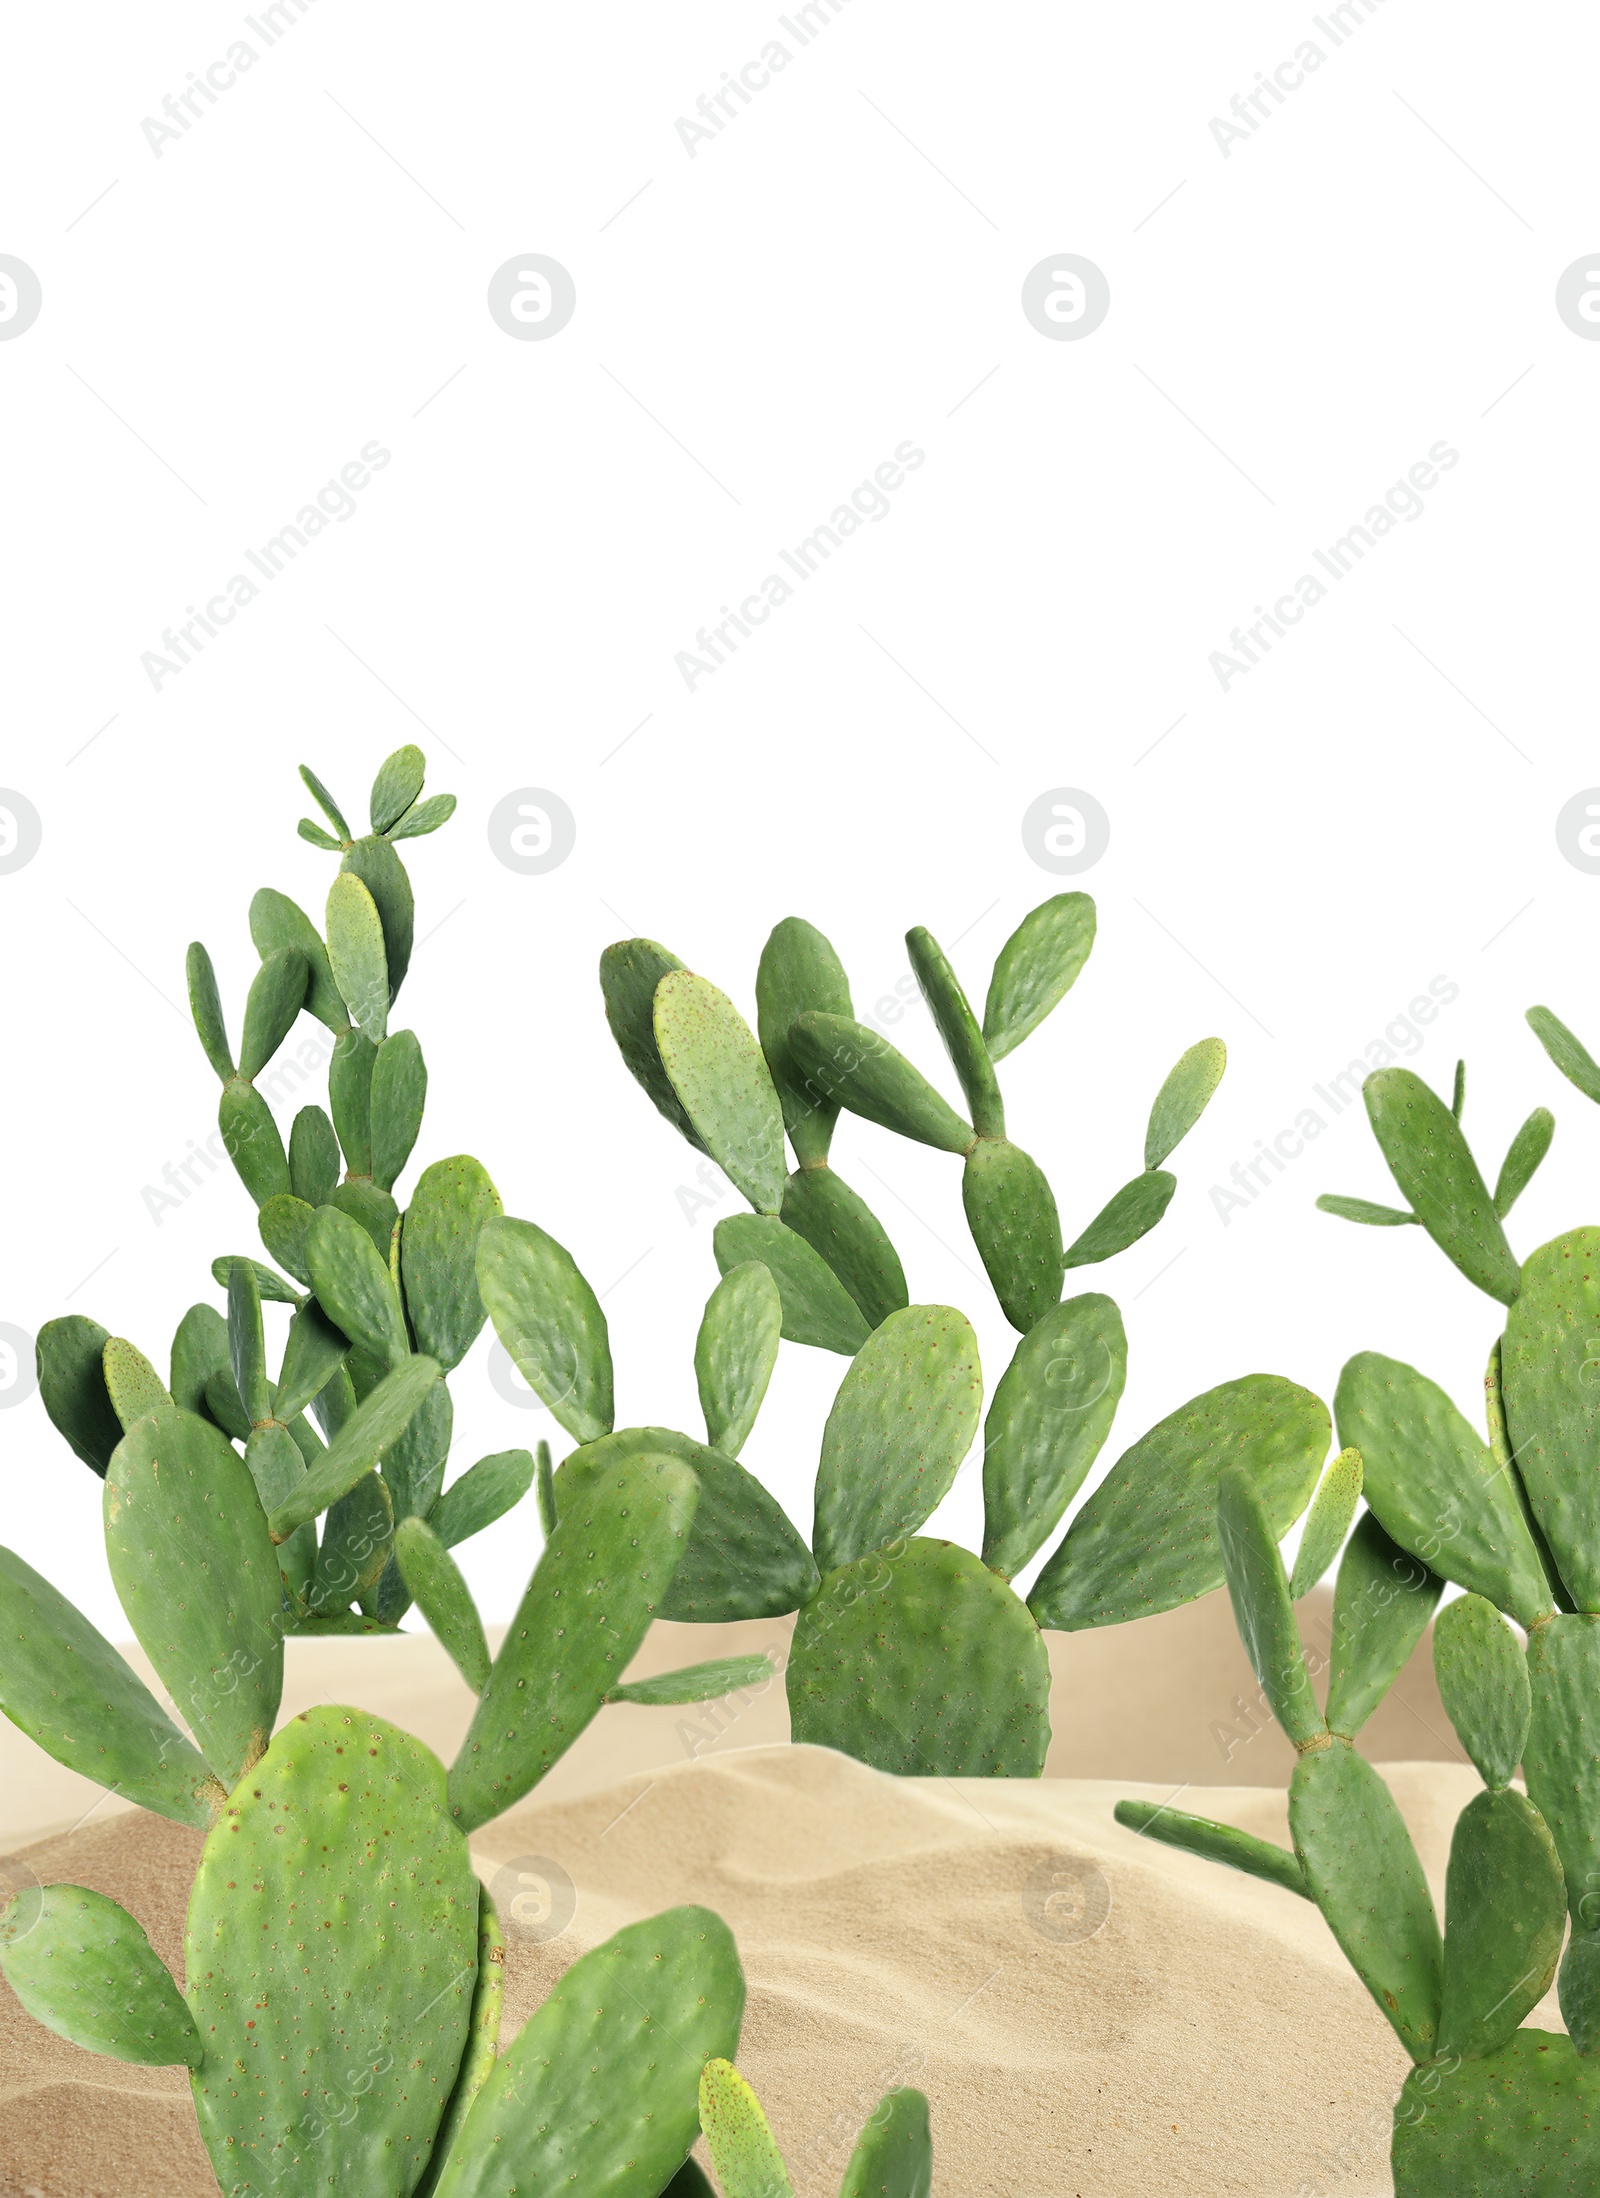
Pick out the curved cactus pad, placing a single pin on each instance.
(1483, 1684)
(629, 974)
(1011, 1211)
(1365, 1877)
(331, 1954)
(1052, 1410)
(1523, 2124)
(902, 1422)
(1436, 1486)
(354, 1286)
(1201, 1835)
(1552, 1407)
(839, 1225)
(1126, 1216)
(798, 970)
(894, 2153)
(484, 1493)
(549, 1321)
(599, 2093)
(1382, 1601)
(735, 1352)
(624, 1517)
(364, 1441)
(1327, 1522)
(72, 1383)
(1147, 1538)
(65, 1686)
(1036, 968)
(918, 1660)
(453, 1201)
(738, 2137)
(719, 1073)
(849, 1062)
(743, 1557)
(1183, 1098)
(817, 1308)
(1505, 1918)
(84, 1968)
(196, 1572)
(1259, 1588)
(1429, 1158)
(1559, 1758)
(483, 2038)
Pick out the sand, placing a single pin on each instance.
(1091, 2014)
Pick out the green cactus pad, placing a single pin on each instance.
(817, 1308)
(277, 993)
(247, 1342)
(357, 1538)
(1561, 1759)
(65, 1686)
(599, 2092)
(1365, 1877)
(1051, 1412)
(331, 1954)
(735, 1353)
(195, 1571)
(901, 1423)
(313, 1157)
(1126, 1216)
(354, 1286)
(1436, 1487)
(1523, 1157)
(434, 1581)
(918, 1660)
(1505, 1917)
(893, 2157)
(85, 1969)
(1524, 2124)
(399, 1091)
(958, 1027)
(1146, 1540)
(414, 1465)
(1430, 1160)
(724, 1675)
(452, 1204)
(396, 787)
(1382, 1601)
(223, 1405)
(1199, 1835)
(798, 971)
(1365, 1211)
(738, 2137)
(545, 1490)
(360, 1444)
(717, 1069)
(250, 1139)
(1327, 1522)
(742, 1558)
(1483, 1684)
(271, 1287)
(1183, 1098)
(1579, 1993)
(350, 1098)
(285, 1225)
(483, 2037)
(326, 803)
(625, 1517)
(278, 1469)
(1036, 968)
(374, 1209)
(847, 1062)
(199, 1350)
(205, 1005)
(276, 922)
(629, 974)
(1552, 1409)
(1259, 1589)
(311, 1358)
(549, 1321)
(484, 1493)
(132, 1383)
(1569, 1054)
(423, 817)
(383, 874)
(690, 2182)
(1011, 1211)
(843, 1230)
(72, 1384)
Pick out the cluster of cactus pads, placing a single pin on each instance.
(341, 2014)
(1512, 1516)
(910, 1652)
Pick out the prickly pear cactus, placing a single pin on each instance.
(342, 2011)
(893, 2157)
(735, 1093)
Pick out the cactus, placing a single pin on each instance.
(1511, 1517)
(909, 1652)
(893, 2157)
(734, 1093)
(342, 2011)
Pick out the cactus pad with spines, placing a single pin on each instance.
(1505, 1917)
(735, 1352)
(1483, 1683)
(1547, 1372)
(549, 1321)
(84, 1968)
(1521, 2124)
(716, 1066)
(452, 1204)
(1036, 968)
(817, 1307)
(1051, 1412)
(1433, 1165)
(1382, 1601)
(1327, 1522)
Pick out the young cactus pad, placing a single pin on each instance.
(343, 1998)
(893, 2157)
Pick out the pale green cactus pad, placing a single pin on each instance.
(1036, 968)
(817, 1307)
(1523, 2124)
(84, 1968)
(550, 1323)
(1333, 1507)
(1049, 1417)
(1505, 1918)
(1382, 1601)
(1259, 1588)
(1430, 1160)
(1547, 1374)
(1483, 1684)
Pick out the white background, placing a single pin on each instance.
(304, 271)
